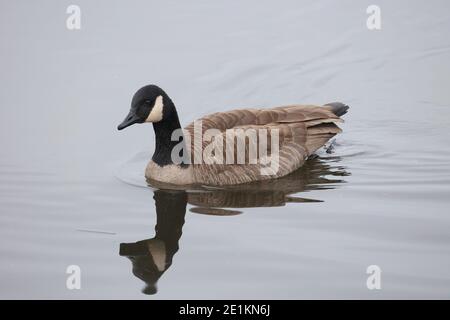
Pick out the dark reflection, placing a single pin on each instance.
(152, 257)
(314, 175)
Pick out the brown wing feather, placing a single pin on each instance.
(302, 130)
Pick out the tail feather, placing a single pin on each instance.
(338, 108)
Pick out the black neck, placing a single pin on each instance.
(163, 133)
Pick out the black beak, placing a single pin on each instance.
(132, 118)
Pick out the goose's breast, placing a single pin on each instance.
(170, 173)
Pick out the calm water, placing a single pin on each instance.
(72, 187)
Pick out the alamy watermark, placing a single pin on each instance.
(73, 21)
(373, 281)
(374, 19)
(74, 279)
(234, 146)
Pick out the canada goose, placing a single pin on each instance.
(300, 129)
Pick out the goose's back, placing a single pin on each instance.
(302, 129)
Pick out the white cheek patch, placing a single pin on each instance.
(157, 249)
(157, 112)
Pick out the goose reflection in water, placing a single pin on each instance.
(152, 257)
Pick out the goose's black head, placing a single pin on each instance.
(149, 104)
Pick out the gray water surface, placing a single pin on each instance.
(73, 190)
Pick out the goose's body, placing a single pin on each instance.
(301, 130)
